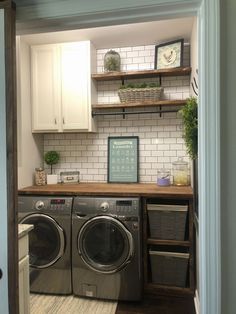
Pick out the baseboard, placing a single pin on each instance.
(197, 302)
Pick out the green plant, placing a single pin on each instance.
(140, 85)
(190, 121)
(51, 158)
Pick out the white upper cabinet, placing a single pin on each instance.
(62, 88)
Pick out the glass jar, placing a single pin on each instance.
(163, 177)
(40, 176)
(180, 172)
(112, 61)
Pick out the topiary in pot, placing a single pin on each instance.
(51, 158)
(190, 122)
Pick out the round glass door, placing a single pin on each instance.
(46, 240)
(105, 244)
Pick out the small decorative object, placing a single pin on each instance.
(123, 157)
(69, 176)
(190, 121)
(140, 92)
(169, 55)
(51, 158)
(112, 61)
(40, 176)
(180, 172)
(163, 177)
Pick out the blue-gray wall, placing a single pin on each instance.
(228, 155)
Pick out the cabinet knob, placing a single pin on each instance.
(0, 273)
(63, 120)
(55, 121)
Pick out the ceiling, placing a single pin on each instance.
(147, 33)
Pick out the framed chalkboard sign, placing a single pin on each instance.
(123, 158)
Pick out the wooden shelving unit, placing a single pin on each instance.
(100, 109)
(168, 242)
(187, 245)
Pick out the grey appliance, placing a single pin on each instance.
(106, 248)
(49, 242)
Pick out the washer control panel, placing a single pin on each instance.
(53, 204)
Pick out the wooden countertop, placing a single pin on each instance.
(23, 229)
(111, 189)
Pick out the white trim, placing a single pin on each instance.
(197, 302)
(209, 159)
(3, 176)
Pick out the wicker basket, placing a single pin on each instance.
(140, 94)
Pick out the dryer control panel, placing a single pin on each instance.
(111, 206)
(45, 203)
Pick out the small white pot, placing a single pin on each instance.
(51, 178)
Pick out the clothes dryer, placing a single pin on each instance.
(106, 248)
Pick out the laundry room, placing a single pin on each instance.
(107, 175)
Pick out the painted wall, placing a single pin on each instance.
(228, 155)
(30, 146)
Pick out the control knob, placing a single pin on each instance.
(104, 206)
(39, 205)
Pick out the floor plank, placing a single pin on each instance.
(49, 304)
(161, 305)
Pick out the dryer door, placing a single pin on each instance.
(46, 240)
(105, 244)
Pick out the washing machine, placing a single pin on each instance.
(49, 242)
(106, 248)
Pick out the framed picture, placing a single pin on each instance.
(169, 55)
(123, 159)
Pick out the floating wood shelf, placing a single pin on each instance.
(96, 108)
(168, 242)
(107, 76)
(139, 104)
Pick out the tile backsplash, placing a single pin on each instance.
(160, 137)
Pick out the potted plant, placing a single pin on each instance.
(190, 120)
(51, 158)
(135, 92)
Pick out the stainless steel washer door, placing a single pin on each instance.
(46, 240)
(105, 244)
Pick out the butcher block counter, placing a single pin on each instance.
(111, 189)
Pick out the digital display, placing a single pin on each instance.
(123, 203)
(57, 202)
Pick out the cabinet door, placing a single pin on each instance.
(75, 75)
(24, 307)
(46, 100)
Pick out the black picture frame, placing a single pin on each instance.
(123, 159)
(177, 47)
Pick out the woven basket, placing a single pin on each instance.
(140, 94)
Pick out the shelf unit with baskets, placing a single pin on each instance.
(168, 246)
(100, 109)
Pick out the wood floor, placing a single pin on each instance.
(48, 304)
(161, 305)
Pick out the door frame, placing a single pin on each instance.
(8, 139)
(208, 13)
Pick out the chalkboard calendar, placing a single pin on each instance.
(123, 157)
